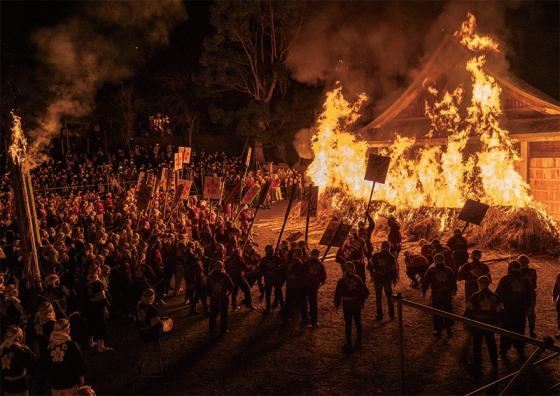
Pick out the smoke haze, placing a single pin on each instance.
(106, 43)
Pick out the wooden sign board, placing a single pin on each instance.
(143, 197)
(233, 193)
(186, 189)
(250, 195)
(177, 162)
(377, 168)
(294, 236)
(310, 199)
(473, 212)
(186, 155)
(212, 187)
(248, 158)
(329, 233)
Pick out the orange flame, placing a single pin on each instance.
(18, 146)
(434, 176)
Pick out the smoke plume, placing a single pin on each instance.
(377, 47)
(105, 43)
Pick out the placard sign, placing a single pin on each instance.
(250, 195)
(329, 233)
(212, 187)
(473, 212)
(377, 168)
(310, 199)
(264, 192)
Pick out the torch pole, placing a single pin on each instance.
(369, 202)
(292, 193)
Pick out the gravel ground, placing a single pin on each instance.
(262, 356)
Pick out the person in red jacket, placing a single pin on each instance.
(416, 266)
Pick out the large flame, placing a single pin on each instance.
(18, 146)
(440, 176)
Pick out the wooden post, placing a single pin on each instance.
(465, 227)
(286, 215)
(369, 202)
(307, 224)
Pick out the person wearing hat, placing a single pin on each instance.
(17, 360)
(484, 306)
(65, 364)
(515, 293)
(56, 294)
(351, 293)
(530, 276)
(383, 271)
(441, 279)
(13, 313)
(315, 277)
(295, 286)
(219, 286)
(470, 272)
(271, 268)
(97, 309)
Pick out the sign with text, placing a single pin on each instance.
(178, 162)
(212, 187)
(377, 168)
(233, 193)
(186, 155)
(186, 189)
(310, 200)
(473, 212)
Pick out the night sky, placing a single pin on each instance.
(534, 32)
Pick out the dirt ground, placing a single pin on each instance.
(262, 356)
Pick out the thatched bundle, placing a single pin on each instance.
(527, 230)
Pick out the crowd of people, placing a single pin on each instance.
(103, 257)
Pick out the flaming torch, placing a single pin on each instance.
(25, 204)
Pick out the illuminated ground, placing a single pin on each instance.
(262, 356)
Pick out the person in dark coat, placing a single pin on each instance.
(17, 361)
(394, 237)
(441, 279)
(220, 287)
(236, 269)
(270, 268)
(383, 270)
(351, 293)
(459, 246)
(484, 306)
(416, 267)
(515, 294)
(315, 277)
(12, 311)
(295, 285)
(97, 310)
(65, 365)
(471, 271)
(530, 275)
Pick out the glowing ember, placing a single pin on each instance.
(442, 177)
(18, 147)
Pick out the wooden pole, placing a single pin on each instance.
(465, 227)
(369, 202)
(292, 194)
(251, 226)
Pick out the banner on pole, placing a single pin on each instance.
(377, 168)
(310, 199)
(164, 179)
(186, 155)
(233, 193)
(177, 162)
(143, 197)
(341, 235)
(294, 236)
(248, 158)
(473, 212)
(250, 195)
(329, 233)
(186, 189)
(212, 187)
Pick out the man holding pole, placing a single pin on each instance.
(315, 277)
(383, 270)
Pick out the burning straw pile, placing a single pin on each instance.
(528, 230)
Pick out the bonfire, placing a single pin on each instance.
(425, 188)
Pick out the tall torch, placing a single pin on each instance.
(25, 204)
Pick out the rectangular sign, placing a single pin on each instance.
(164, 179)
(186, 189)
(341, 235)
(377, 168)
(186, 155)
(250, 195)
(140, 181)
(310, 200)
(212, 187)
(248, 158)
(473, 212)
(233, 193)
(177, 162)
(329, 233)
(264, 192)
